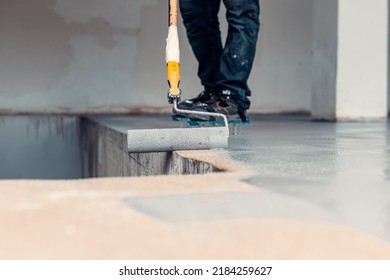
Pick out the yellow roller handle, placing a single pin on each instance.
(173, 74)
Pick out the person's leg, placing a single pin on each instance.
(200, 18)
(239, 52)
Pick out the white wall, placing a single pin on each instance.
(75, 56)
(362, 60)
(388, 64)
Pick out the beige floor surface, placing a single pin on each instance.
(90, 219)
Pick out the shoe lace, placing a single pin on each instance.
(224, 96)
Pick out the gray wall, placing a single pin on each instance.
(324, 70)
(39, 147)
(75, 56)
(281, 79)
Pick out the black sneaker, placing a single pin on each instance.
(202, 100)
(198, 103)
(227, 106)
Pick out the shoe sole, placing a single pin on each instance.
(192, 122)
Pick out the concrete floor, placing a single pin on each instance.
(293, 189)
(319, 170)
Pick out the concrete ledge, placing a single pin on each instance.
(104, 154)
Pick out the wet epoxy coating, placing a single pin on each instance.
(337, 171)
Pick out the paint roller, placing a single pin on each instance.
(164, 140)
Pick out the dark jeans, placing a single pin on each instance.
(223, 68)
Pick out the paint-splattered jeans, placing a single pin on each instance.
(223, 68)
